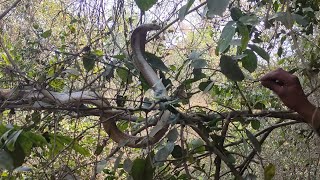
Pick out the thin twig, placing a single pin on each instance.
(185, 165)
(174, 21)
(218, 153)
(217, 161)
(243, 97)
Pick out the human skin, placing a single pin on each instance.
(289, 90)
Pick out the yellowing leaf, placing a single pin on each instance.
(269, 172)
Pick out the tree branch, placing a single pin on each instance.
(9, 9)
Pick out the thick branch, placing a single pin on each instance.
(9, 9)
(35, 100)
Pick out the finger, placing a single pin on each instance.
(273, 85)
(279, 75)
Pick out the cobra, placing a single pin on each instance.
(138, 40)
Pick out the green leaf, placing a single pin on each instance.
(250, 62)
(101, 165)
(140, 170)
(35, 26)
(183, 177)
(164, 152)
(156, 62)
(26, 142)
(217, 7)
(230, 68)
(17, 155)
(255, 124)
(194, 55)
(283, 38)
(98, 150)
(6, 161)
(57, 84)
(123, 125)
(239, 57)
(5, 58)
(81, 150)
(145, 5)
(46, 34)
(145, 86)
(206, 86)
(177, 152)
(98, 53)
(198, 63)
(12, 140)
(64, 141)
(173, 135)
(184, 10)
(5, 135)
(250, 177)
(300, 20)
(236, 13)
(173, 67)
(197, 75)
(127, 165)
(254, 141)
(245, 37)
(72, 29)
(22, 169)
(38, 140)
(124, 75)
(3, 128)
(197, 145)
(88, 61)
(261, 52)
(231, 159)
(72, 71)
(149, 166)
(269, 171)
(280, 51)
(110, 173)
(162, 155)
(116, 163)
(120, 56)
(276, 6)
(249, 20)
(36, 117)
(284, 18)
(226, 36)
(234, 42)
(73, 21)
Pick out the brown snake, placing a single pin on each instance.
(138, 40)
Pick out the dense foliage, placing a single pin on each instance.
(209, 55)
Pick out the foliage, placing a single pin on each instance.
(209, 55)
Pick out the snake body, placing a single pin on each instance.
(138, 40)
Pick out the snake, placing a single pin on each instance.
(138, 40)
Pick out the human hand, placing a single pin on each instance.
(287, 87)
